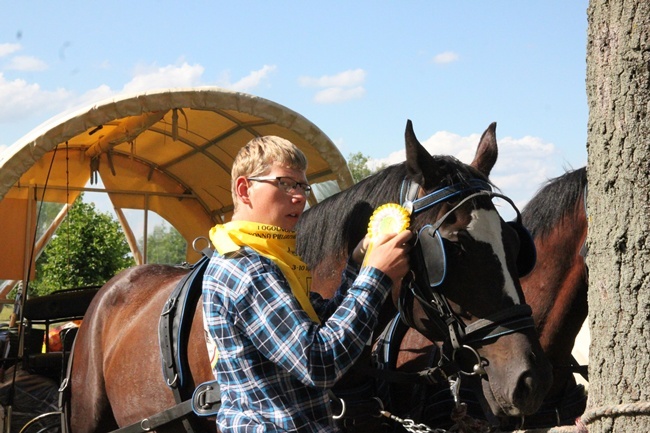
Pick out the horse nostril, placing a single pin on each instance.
(523, 389)
(527, 383)
(527, 396)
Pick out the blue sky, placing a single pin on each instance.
(358, 70)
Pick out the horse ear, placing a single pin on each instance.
(487, 152)
(417, 157)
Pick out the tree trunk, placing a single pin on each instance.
(618, 93)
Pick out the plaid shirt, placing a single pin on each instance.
(275, 364)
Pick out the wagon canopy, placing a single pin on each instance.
(168, 151)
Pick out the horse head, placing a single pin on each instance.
(467, 263)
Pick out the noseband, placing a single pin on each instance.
(430, 255)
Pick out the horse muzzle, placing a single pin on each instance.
(516, 388)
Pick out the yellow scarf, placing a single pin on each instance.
(272, 242)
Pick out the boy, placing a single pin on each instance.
(276, 359)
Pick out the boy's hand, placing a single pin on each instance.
(360, 250)
(389, 254)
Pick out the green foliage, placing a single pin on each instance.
(88, 248)
(358, 165)
(165, 245)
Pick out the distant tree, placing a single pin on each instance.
(165, 245)
(88, 248)
(358, 165)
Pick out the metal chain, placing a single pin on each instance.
(459, 414)
(410, 425)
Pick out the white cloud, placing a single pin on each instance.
(26, 63)
(148, 77)
(523, 165)
(337, 88)
(446, 57)
(253, 79)
(338, 94)
(6, 49)
(152, 77)
(350, 78)
(95, 95)
(21, 99)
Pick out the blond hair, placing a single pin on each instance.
(259, 154)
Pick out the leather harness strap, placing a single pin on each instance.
(206, 401)
(160, 419)
(173, 329)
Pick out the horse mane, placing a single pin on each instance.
(334, 226)
(559, 197)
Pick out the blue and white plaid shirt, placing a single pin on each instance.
(275, 364)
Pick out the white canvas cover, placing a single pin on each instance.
(169, 151)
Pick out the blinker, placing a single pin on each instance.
(527, 256)
(433, 254)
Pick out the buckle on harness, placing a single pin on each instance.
(206, 399)
(201, 398)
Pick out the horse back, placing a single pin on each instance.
(116, 374)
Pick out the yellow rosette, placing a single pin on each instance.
(387, 218)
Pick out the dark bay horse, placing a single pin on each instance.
(556, 290)
(475, 284)
(116, 375)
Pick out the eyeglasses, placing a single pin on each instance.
(286, 184)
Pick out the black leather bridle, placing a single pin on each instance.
(429, 251)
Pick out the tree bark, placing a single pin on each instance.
(618, 94)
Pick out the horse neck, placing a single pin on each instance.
(557, 293)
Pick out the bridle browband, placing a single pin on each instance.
(507, 321)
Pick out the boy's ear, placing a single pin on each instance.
(242, 189)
